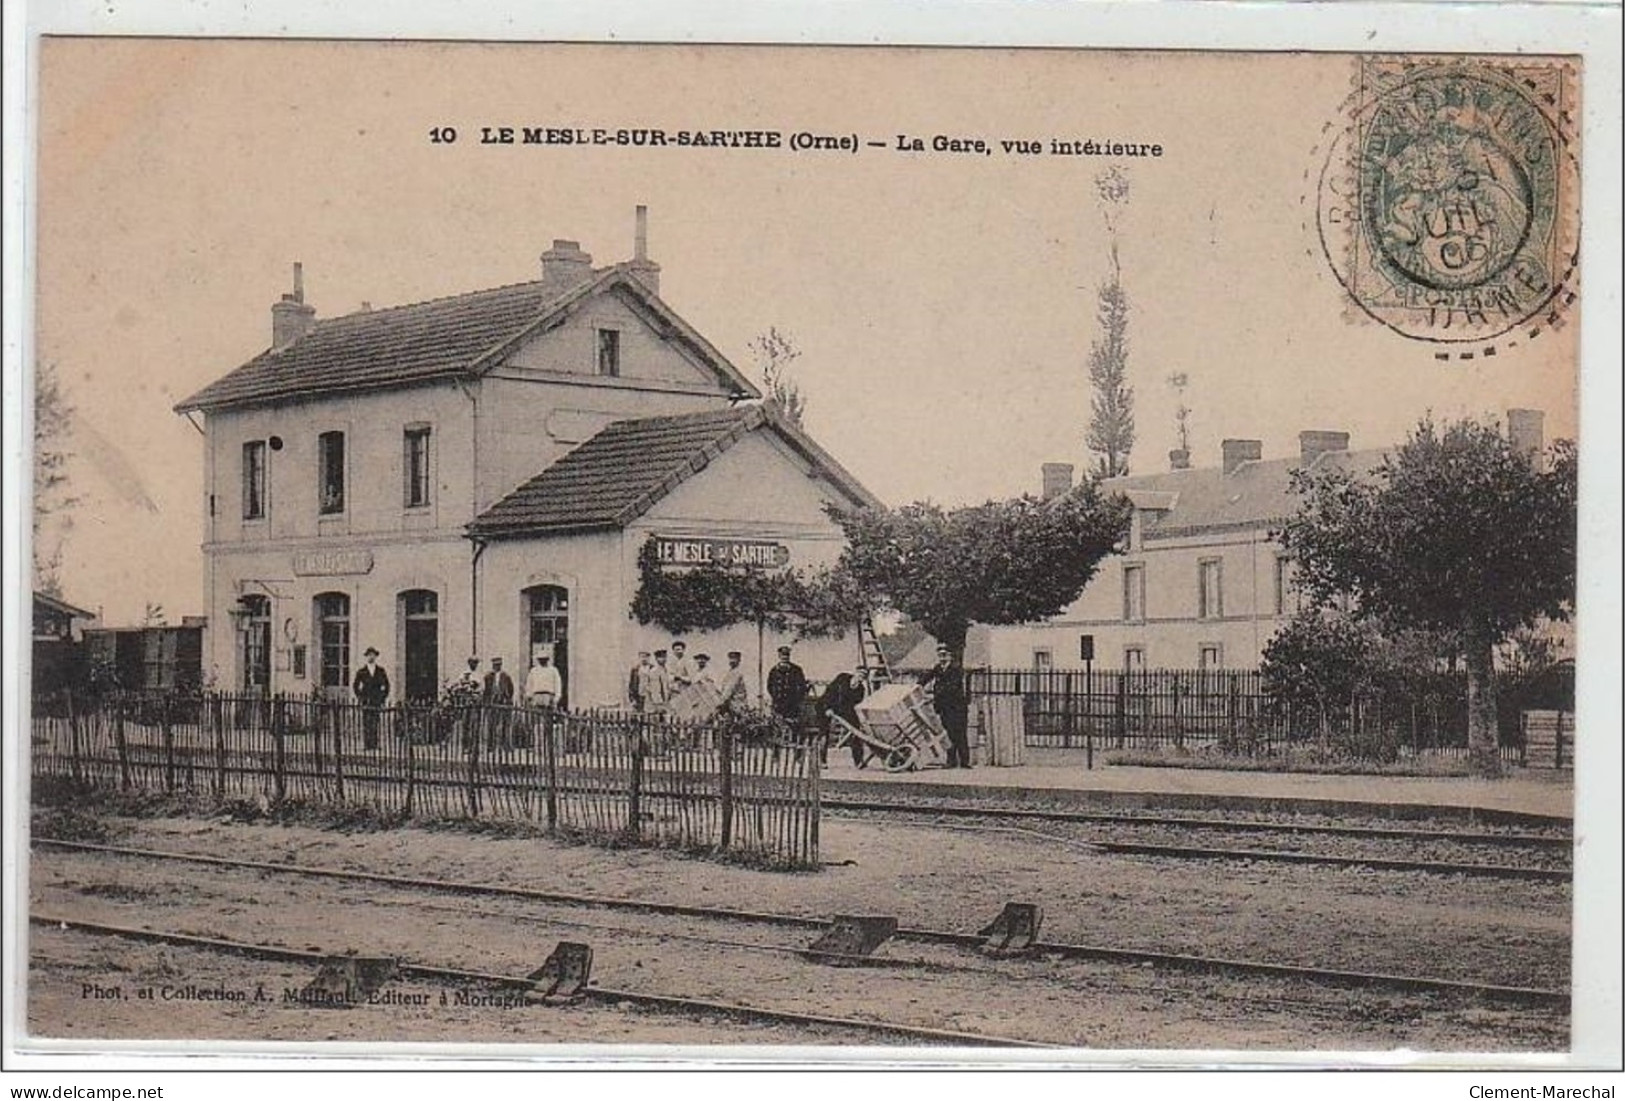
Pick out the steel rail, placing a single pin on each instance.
(664, 1002)
(1185, 852)
(1181, 961)
(1238, 825)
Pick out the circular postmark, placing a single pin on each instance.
(1447, 205)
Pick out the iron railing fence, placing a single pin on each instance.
(1231, 711)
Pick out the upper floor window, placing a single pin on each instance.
(330, 471)
(1286, 591)
(1210, 588)
(1134, 593)
(416, 465)
(254, 480)
(609, 353)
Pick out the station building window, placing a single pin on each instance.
(415, 444)
(330, 472)
(547, 613)
(256, 643)
(254, 480)
(420, 644)
(333, 637)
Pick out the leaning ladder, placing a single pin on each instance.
(875, 670)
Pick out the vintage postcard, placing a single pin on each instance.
(979, 553)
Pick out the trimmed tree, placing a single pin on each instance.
(1456, 532)
(1002, 562)
(710, 597)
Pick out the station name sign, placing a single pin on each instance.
(746, 553)
(331, 563)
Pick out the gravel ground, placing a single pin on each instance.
(1447, 927)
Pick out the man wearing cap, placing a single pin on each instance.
(948, 697)
(735, 697)
(787, 688)
(371, 688)
(498, 694)
(544, 687)
(656, 685)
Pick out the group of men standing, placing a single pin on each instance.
(662, 677)
(544, 684)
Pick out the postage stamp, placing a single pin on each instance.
(1448, 205)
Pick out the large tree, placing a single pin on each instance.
(53, 499)
(1002, 562)
(1458, 531)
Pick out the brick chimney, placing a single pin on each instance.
(1313, 443)
(643, 269)
(1526, 431)
(1179, 459)
(291, 318)
(1057, 480)
(565, 265)
(1237, 452)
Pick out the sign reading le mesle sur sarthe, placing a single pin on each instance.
(674, 551)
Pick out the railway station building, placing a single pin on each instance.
(476, 475)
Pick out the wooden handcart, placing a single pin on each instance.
(896, 725)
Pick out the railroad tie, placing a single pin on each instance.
(564, 976)
(1014, 931)
(851, 938)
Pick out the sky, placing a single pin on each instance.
(943, 302)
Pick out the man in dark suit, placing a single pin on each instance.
(948, 696)
(841, 700)
(787, 688)
(499, 692)
(371, 688)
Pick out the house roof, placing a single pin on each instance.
(628, 466)
(1255, 494)
(459, 336)
(61, 607)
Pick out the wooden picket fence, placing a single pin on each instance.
(613, 776)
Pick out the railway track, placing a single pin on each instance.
(1543, 845)
(666, 1003)
(1460, 989)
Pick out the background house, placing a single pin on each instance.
(1200, 583)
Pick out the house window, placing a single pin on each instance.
(1210, 589)
(333, 636)
(330, 472)
(1210, 655)
(1133, 658)
(609, 353)
(1286, 592)
(1043, 660)
(1134, 593)
(254, 480)
(416, 466)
